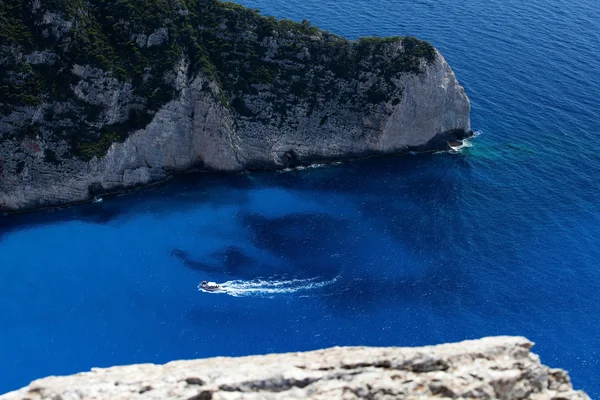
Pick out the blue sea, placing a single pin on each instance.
(499, 238)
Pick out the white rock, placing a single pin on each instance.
(198, 129)
(490, 368)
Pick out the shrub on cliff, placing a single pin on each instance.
(144, 42)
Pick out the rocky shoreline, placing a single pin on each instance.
(490, 368)
(445, 144)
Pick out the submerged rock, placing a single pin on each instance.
(489, 368)
(101, 97)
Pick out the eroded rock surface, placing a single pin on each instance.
(99, 96)
(489, 368)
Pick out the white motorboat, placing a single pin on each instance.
(210, 286)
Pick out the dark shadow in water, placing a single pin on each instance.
(292, 235)
(233, 259)
(309, 240)
(230, 261)
(184, 257)
(423, 217)
(305, 241)
(187, 191)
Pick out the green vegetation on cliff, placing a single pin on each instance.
(142, 44)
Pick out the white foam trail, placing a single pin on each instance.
(261, 287)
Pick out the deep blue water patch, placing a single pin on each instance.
(500, 239)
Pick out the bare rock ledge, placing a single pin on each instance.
(490, 368)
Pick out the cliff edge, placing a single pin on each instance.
(97, 96)
(489, 368)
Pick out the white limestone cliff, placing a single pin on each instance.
(196, 130)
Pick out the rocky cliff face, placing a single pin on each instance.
(96, 98)
(490, 368)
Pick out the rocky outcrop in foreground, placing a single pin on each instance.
(489, 368)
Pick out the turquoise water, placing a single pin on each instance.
(502, 238)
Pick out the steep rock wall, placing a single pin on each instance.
(265, 94)
(489, 368)
(196, 130)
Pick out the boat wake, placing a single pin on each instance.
(266, 287)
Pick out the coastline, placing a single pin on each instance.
(426, 149)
